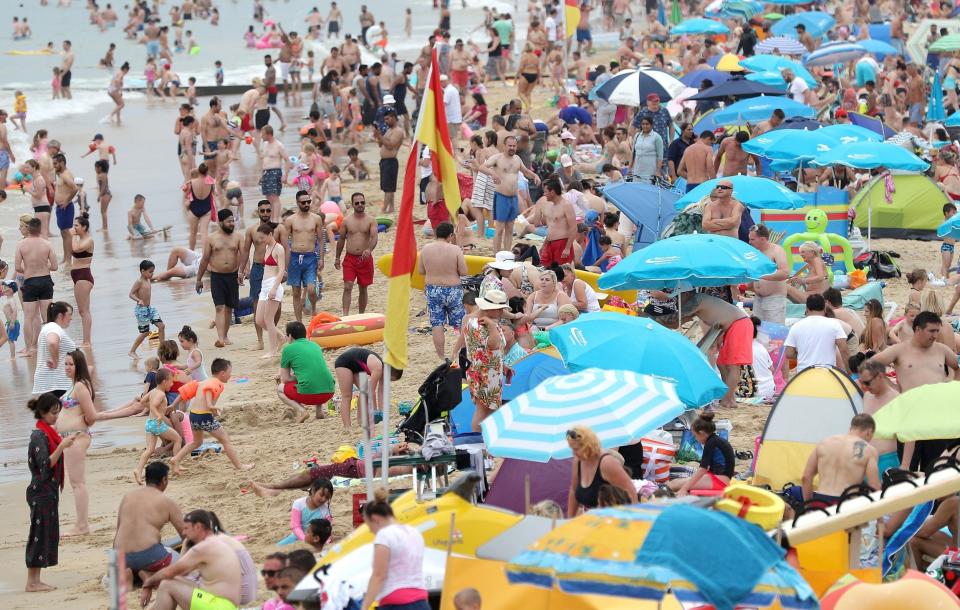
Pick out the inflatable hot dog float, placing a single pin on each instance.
(327, 330)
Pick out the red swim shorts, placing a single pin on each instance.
(247, 123)
(459, 77)
(359, 270)
(552, 252)
(737, 348)
(290, 391)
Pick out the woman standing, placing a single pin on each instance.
(53, 345)
(115, 91)
(43, 494)
(77, 416)
(271, 291)
(543, 306)
(592, 468)
(485, 342)
(528, 73)
(198, 198)
(397, 578)
(647, 162)
(81, 274)
(38, 197)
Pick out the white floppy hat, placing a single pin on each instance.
(505, 261)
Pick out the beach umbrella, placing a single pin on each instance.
(953, 120)
(752, 191)
(947, 44)
(950, 227)
(689, 261)
(871, 155)
(757, 109)
(590, 340)
(650, 551)
(619, 406)
(930, 411)
(834, 53)
(784, 44)
(878, 47)
(695, 78)
(816, 22)
(738, 87)
(788, 144)
(777, 63)
(741, 9)
(774, 79)
(846, 133)
(935, 111)
(631, 87)
(799, 123)
(773, 16)
(729, 62)
(676, 15)
(873, 124)
(699, 25)
(661, 13)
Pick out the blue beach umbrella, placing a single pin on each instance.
(751, 191)
(590, 340)
(790, 144)
(953, 120)
(619, 406)
(689, 261)
(776, 63)
(871, 155)
(935, 111)
(774, 79)
(631, 87)
(834, 53)
(695, 78)
(816, 22)
(784, 44)
(950, 227)
(846, 133)
(759, 109)
(699, 25)
(737, 87)
(878, 47)
(741, 9)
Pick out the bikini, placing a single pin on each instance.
(69, 402)
(201, 207)
(84, 273)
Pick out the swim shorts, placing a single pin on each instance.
(65, 78)
(771, 308)
(42, 209)
(389, 169)
(737, 348)
(945, 247)
(262, 118)
(202, 600)
(152, 559)
(437, 212)
(225, 289)
(234, 193)
(38, 288)
(266, 286)
(139, 229)
(13, 331)
(255, 279)
(4, 159)
(65, 216)
(357, 269)
(349, 468)
(302, 270)
(272, 96)
(506, 208)
(290, 391)
(203, 421)
(552, 252)
(146, 315)
(271, 181)
(583, 35)
(445, 304)
(155, 427)
(887, 461)
(459, 78)
(153, 48)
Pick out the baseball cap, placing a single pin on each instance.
(840, 113)
(653, 97)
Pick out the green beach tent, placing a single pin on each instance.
(914, 212)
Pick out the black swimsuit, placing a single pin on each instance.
(588, 497)
(201, 207)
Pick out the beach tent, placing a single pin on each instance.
(548, 481)
(649, 207)
(815, 404)
(914, 212)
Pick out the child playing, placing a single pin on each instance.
(106, 151)
(39, 144)
(55, 84)
(218, 73)
(902, 331)
(150, 76)
(946, 248)
(355, 167)
(135, 227)
(204, 412)
(330, 191)
(192, 47)
(286, 582)
(315, 505)
(104, 196)
(146, 314)
(11, 319)
(192, 90)
(194, 364)
(19, 111)
(310, 66)
(317, 534)
(158, 426)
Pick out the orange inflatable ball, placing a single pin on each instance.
(92, 146)
(914, 590)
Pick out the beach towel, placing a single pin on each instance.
(894, 562)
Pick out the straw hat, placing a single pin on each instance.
(492, 299)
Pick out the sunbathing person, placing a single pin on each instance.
(182, 263)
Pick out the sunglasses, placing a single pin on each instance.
(721, 187)
(573, 434)
(269, 573)
(303, 201)
(865, 381)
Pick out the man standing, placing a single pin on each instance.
(733, 157)
(776, 118)
(276, 164)
(916, 94)
(805, 38)
(366, 22)
(213, 129)
(503, 168)
(459, 62)
(815, 340)
(389, 142)
(721, 215)
(770, 291)
(141, 517)
(221, 252)
(453, 109)
(34, 260)
(65, 67)
(877, 392)
(270, 84)
(697, 165)
(358, 235)
(442, 264)
(66, 190)
(559, 216)
(254, 270)
(677, 149)
(304, 377)
(304, 265)
(797, 88)
(6, 151)
(842, 460)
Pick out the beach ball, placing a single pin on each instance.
(552, 154)
(248, 139)
(18, 177)
(195, 51)
(236, 121)
(330, 207)
(914, 590)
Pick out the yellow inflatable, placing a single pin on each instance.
(914, 590)
(359, 329)
(753, 504)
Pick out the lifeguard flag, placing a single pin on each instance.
(571, 16)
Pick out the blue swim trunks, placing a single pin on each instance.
(583, 35)
(256, 280)
(887, 461)
(505, 208)
(65, 216)
(302, 270)
(153, 48)
(4, 159)
(13, 331)
(203, 421)
(155, 427)
(146, 315)
(445, 304)
(945, 247)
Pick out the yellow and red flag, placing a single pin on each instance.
(571, 16)
(431, 133)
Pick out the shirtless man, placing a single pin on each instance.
(389, 142)
(503, 169)
(358, 234)
(254, 269)
(697, 164)
(304, 265)
(221, 253)
(734, 158)
(247, 106)
(776, 118)
(842, 460)
(442, 264)
(334, 61)
(877, 392)
(350, 52)
(142, 515)
(559, 216)
(34, 260)
(213, 129)
(721, 215)
(770, 291)
(151, 34)
(46, 168)
(7, 158)
(737, 347)
(334, 18)
(459, 62)
(64, 192)
(276, 165)
(65, 74)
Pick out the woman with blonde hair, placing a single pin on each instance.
(543, 305)
(813, 276)
(874, 338)
(592, 468)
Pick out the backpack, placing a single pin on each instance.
(879, 264)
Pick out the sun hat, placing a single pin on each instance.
(504, 261)
(492, 299)
(389, 99)
(566, 135)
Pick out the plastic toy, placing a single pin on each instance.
(816, 221)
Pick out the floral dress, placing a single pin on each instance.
(43, 497)
(485, 374)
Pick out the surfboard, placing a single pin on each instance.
(475, 265)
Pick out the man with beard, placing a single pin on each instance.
(221, 253)
(304, 265)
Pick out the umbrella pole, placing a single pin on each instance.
(526, 494)
(367, 433)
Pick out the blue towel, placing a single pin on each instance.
(723, 556)
(592, 251)
(902, 536)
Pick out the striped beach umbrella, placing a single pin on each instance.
(777, 63)
(631, 87)
(619, 406)
(784, 44)
(834, 53)
(741, 9)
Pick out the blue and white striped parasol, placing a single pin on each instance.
(631, 87)
(834, 53)
(784, 44)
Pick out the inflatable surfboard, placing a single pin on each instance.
(359, 329)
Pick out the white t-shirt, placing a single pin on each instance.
(815, 338)
(425, 170)
(46, 379)
(763, 369)
(451, 104)
(14, 304)
(405, 569)
(797, 90)
(551, 25)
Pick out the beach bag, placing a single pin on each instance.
(658, 453)
(879, 264)
(858, 278)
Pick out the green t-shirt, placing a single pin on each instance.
(504, 28)
(305, 359)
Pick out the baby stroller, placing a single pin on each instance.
(439, 394)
